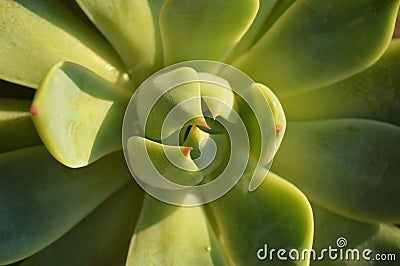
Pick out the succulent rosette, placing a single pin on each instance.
(119, 118)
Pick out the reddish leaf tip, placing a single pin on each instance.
(186, 150)
(203, 123)
(34, 110)
(278, 128)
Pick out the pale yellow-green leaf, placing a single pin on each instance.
(276, 214)
(206, 29)
(168, 102)
(151, 161)
(78, 114)
(170, 235)
(132, 28)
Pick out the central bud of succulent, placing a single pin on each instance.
(192, 130)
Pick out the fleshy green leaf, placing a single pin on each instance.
(280, 7)
(210, 152)
(34, 35)
(42, 199)
(16, 127)
(102, 238)
(203, 29)
(374, 94)
(151, 160)
(218, 96)
(167, 103)
(170, 235)
(268, 12)
(348, 166)
(277, 111)
(250, 37)
(379, 238)
(78, 114)
(255, 109)
(276, 214)
(133, 30)
(310, 46)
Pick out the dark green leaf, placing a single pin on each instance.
(374, 94)
(102, 238)
(379, 238)
(40, 199)
(348, 166)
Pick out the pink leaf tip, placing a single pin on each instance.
(34, 110)
(278, 128)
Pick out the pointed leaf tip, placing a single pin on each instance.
(278, 128)
(34, 110)
(202, 122)
(186, 151)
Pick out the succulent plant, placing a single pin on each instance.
(69, 69)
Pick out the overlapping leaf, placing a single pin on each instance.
(133, 30)
(35, 35)
(42, 199)
(170, 235)
(311, 46)
(78, 114)
(203, 29)
(381, 239)
(348, 166)
(276, 214)
(102, 238)
(374, 94)
(16, 127)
